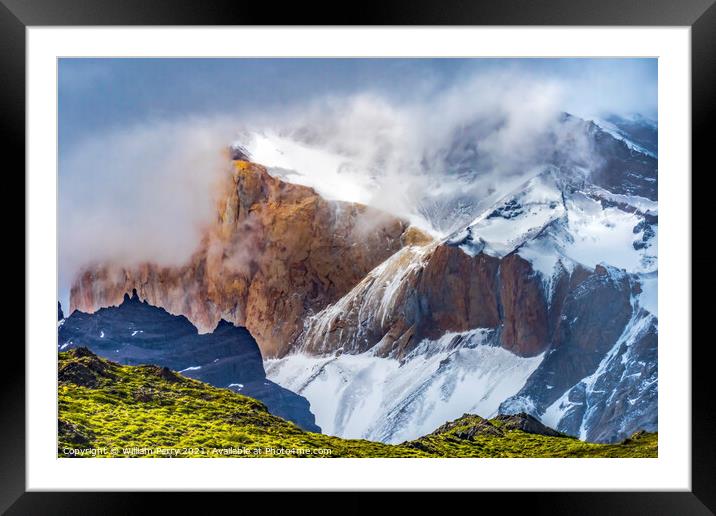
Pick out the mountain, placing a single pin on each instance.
(545, 303)
(151, 411)
(541, 301)
(276, 252)
(519, 312)
(137, 333)
(637, 132)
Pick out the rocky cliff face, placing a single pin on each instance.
(539, 276)
(423, 292)
(135, 333)
(276, 253)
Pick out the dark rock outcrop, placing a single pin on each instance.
(469, 426)
(137, 333)
(526, 423)
(88, 372)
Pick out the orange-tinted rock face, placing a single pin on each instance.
(526, 323)
(277, 252)
(423, 292)
(459, 292)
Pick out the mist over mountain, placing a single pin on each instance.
(479, 248)
(432, 141)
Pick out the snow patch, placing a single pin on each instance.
(383, 399)
(333, 176)
(515, 219)
(649, 297)
(603, 235)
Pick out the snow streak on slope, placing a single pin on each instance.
(515, 219)
(622, 135)
(373, 300)
(364, 396)
(626, 375)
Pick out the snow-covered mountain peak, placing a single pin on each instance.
(515, 218)
(559, 219)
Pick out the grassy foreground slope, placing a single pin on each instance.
(110, 410)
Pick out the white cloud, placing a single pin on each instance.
(139, 194)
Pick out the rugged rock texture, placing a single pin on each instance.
(526, 423)
(458, 292)
(136, 333)
(276, 253)
(469, 426)
(592, 317)
(423, 292)
(525, 308)
(598, 380)
(622, 170)
(622, 394)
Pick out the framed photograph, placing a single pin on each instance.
(447, 248)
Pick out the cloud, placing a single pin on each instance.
(144, 193)
(423, 160)
(147, 192)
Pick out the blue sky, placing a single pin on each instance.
(99, 95)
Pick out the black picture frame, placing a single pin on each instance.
(700, 15)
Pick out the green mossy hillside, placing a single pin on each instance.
(473, 436)
(111, 410)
